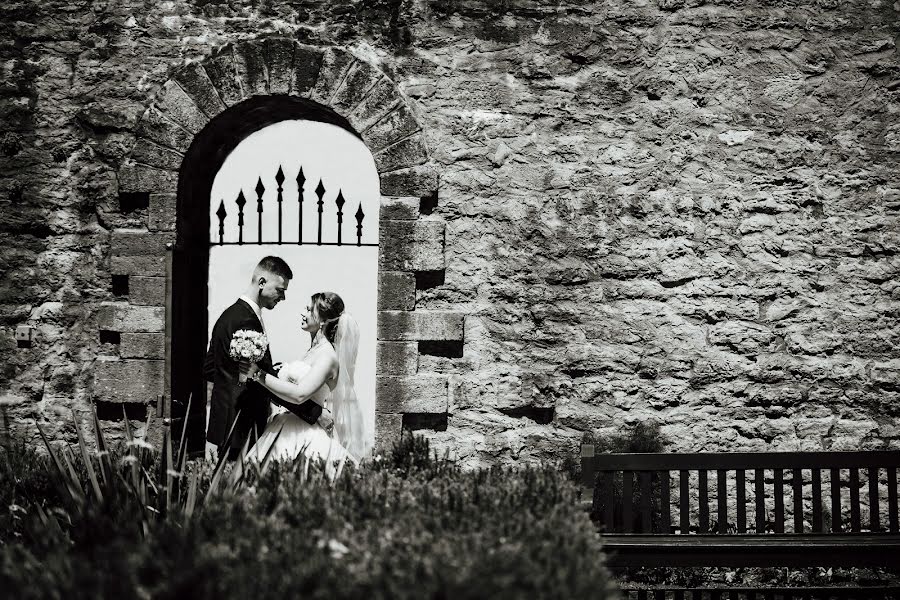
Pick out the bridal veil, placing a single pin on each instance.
(354, 419)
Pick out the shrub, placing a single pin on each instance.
(415, 526)
(645, 437)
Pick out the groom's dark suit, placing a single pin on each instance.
(228, 397)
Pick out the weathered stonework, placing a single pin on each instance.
(663, 212)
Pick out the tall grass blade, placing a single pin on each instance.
(73, 477)
(106, 472)
(241, 468)
(191, 501)
(182, 449)
(133, 457)
(168, 467)
(86, 457)
(61, 473)
(270, 451)
(220, 466)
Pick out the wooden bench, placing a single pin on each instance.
(633, 496)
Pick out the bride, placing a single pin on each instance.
(325, 375)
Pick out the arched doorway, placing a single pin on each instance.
(197, 119)
(197, 233)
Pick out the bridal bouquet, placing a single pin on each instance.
(248, 346)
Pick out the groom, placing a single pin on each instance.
(248, 403)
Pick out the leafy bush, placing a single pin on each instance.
(410, 526)
(645, 437)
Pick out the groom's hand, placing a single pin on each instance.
(325, 420)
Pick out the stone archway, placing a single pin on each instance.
(187, 112)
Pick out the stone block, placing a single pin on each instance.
(378, 101)
(279, 55)
(141, 178)
(135, 242)
(305, 71)
(138, 265)
(143, 345)
(417, 181)
(161, 214)
(147, 291)
(412, 245)
(415, 394)
(397, 358)
(335, 63)
(151, 153)
(126, 318)
(361, 77)
(156, 127)
(251, 68)
(196, 83)
(406, 153)
(174, 103)
(388, 429)
(396, 290)
(420, 325)
(223, 75)
(394, 126)
(128, 381)
(399, 209)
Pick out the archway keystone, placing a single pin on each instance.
(185, 109)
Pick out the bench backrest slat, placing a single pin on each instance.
(835, 500)
(627, 501)
(741, 493)
(892, 500)
(704, 501)
(874, 523)
(665, 503)
(684, 506)
(817, 521)
(760, 496)
(722, 516)
(855, 524)
(797, 487)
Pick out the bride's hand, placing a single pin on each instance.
(326, 421)
(252, 370)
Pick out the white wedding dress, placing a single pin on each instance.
(291, 435)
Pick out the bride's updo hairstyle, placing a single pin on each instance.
(329, 307)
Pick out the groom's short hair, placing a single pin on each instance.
(274, 265)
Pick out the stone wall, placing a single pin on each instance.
(675, 211)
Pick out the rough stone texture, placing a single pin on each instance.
(138, 381)
(192, 78)
(253, 75)
(396, 291)
(411, 245)
(387, 431)
(661, 211)
(143, 345)
(162, 214)
(147, 291)
(141, 178)
(123, 317)
(175, 102)
(417, 181)
(419, 325)
(418, 394)
(406, 152)
(399, 209)
(397, 358)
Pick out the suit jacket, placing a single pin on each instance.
(228, 397)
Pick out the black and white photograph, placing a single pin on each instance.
(450, 299)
